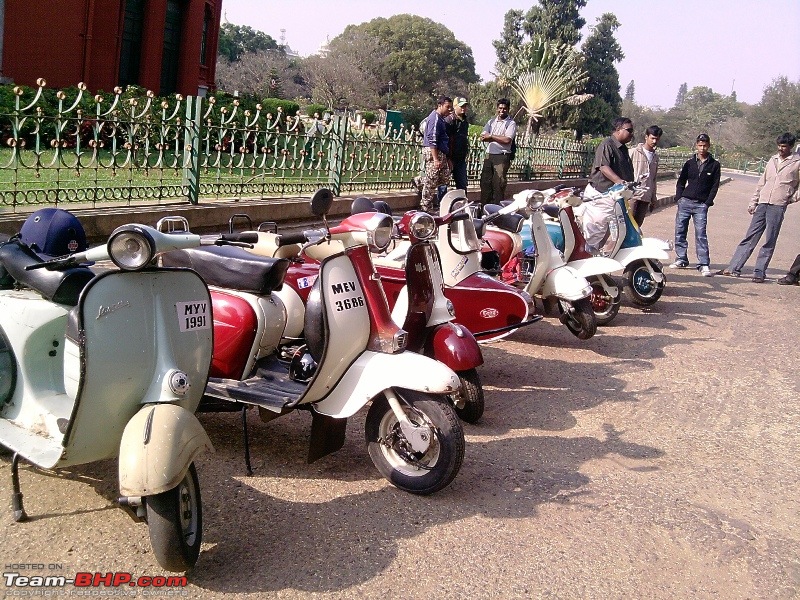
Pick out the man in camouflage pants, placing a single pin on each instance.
(435, 153)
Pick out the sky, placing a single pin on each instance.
(727, 45)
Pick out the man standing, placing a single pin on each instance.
(612, 165)
(697, 186)
(498, 134)
(435, 153)
(458, 133)
(776, 189)
(645, 168)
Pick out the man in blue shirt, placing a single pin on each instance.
(436, 153)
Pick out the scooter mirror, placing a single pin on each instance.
(321, 202)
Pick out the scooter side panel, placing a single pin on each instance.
(158, 445)
(564, 282)
(374, 372)
(235, 327)
(626, 256)
(138, 328)
(597, 265)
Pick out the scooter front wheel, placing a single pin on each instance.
(392, 454)
(175, 521)
(579, 317)
(470, 403)
(643, 288)
(604, 305)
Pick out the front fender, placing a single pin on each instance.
(628, 255)
(565, 283)
(158, 445)
(455, 346)
(597, 265)
(374, 372)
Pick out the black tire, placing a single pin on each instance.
(579, 318)
(605, 306)
(643, 290)
(471, 396)
(390, 451)
(175, 520)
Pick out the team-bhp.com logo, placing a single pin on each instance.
(21, 582)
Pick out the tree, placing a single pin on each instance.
(682, 91)
(553, 20)
(421, 58)
(775, 114)
(702, 110)
(238, 40)
(545, 75)
(630, 92)
(266, 74)
(601, 50)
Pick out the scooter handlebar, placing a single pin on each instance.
(247, 237)
(287, 239)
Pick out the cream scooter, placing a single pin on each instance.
(98, 366)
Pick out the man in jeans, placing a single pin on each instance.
(776, 189)
(697, 186)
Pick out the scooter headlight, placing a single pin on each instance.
(535, 200)
(131, 248)
(380, 235)
(422, 226)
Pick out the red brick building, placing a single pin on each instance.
(162, 45)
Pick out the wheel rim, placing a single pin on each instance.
(643, 283)
(602, 303)
(187, 510)
(397, 450)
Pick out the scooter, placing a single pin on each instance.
(639, 256)
(352, 352)
(110, 365)
(543, 270)
(568, 238)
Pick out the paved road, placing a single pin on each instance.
(657, 460)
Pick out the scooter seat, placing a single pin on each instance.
(59, 286)
(511, 222)
(231, 267)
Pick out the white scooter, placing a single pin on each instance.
(98, 366)
(546, 274)
(352, 353)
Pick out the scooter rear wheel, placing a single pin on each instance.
(579, 318)
(391, 453)
(605, 307)
(175, 521)
(472, 399)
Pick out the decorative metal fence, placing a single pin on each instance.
(121, 149)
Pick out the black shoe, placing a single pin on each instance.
(788, 281)
(758, 279)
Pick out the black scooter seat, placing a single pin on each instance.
(231, 267)
(60, 286)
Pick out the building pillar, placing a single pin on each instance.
(152, 46)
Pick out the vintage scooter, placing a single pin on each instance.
(639, 256)
(352, 352)
(543, 270)
(98, 366)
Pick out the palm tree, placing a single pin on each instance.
(545, 74)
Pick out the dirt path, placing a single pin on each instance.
(657, 460)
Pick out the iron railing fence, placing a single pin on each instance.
(124, 150)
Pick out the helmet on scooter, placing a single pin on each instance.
(52, 232)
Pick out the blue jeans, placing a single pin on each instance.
(698, 212)
(769, 218)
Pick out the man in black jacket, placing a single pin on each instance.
(458, 132)
(697, 186)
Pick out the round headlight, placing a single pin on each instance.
(535, 200)
(380, 236)
(422, 226)
(131, 249)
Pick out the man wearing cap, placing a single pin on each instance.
(458, 132)
(697, 186)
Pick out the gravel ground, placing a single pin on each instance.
(656, 460)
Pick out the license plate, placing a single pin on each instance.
(193, 315)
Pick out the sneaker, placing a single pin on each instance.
(679, 264)
(705, 271)
(788, 281)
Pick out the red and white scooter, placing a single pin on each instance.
(352, 352)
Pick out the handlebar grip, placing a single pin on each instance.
(286, 239)
(248, 237)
